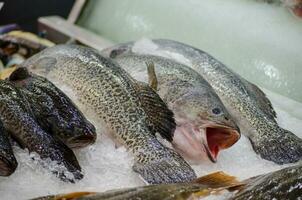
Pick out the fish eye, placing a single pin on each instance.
(216, 111)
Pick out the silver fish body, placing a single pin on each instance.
(247, 104)
(103, 86)
(203, 125)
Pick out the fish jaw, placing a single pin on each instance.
(198, 144)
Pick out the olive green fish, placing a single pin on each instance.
(19, 122)
(120, 102)
(204, 127)
(201, 187)
(55, 112)
(247, 104)
(281, 184)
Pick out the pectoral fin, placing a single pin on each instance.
(219, 180)
(161, 119)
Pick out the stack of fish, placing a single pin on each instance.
(199, 107)
(41, 118)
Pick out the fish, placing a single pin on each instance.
(8, 162)
(54, 111)
(19, 121)
(246, 102)
(204, 127)
(120, 102)
(285, 183)
(281, 184)
(201, 187)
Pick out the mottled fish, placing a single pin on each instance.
(204, 127)
(18, 120)
(55, 112)
(121, 103)
(8, 162)
(246, 103)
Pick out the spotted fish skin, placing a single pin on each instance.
(101, 85)
(8, 162)
(246, 103)
(19, 121)
(55, 112)
(192, 101)
(281, 184)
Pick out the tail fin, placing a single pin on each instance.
(278, 145)
(168, 167)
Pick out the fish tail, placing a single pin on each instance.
(166, 166)
(278, 145)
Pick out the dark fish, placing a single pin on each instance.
(247, 104)
(8, 162)
(121, 103)
(19, 121)
(54, 111)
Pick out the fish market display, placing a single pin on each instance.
(123, 104)
(54, 111)
(8, 162)
(16, 46)
(249, 106)
(18, 120)
(204, 127)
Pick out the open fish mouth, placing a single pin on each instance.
(81, 141)
(219, 138)
(199, 143)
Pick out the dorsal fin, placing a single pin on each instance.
(152, 75)
(20, 73)
(72, 195)
(263, 102)
(161, 119)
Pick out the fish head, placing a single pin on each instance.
(204, 127)
(115, 51)
(75, 133)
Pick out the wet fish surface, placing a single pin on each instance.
(121, 103)
(204, 127)
(19, 122)
(201, 187)
(8, 162)
(246, 103)
(55, 112)
(282, 184)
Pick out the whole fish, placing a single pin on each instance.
(204, 127)
(54, 111)
(122, 104)
(8, 162)
(246, 103)
(18, 120)
(281, 184)
(201, 187)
